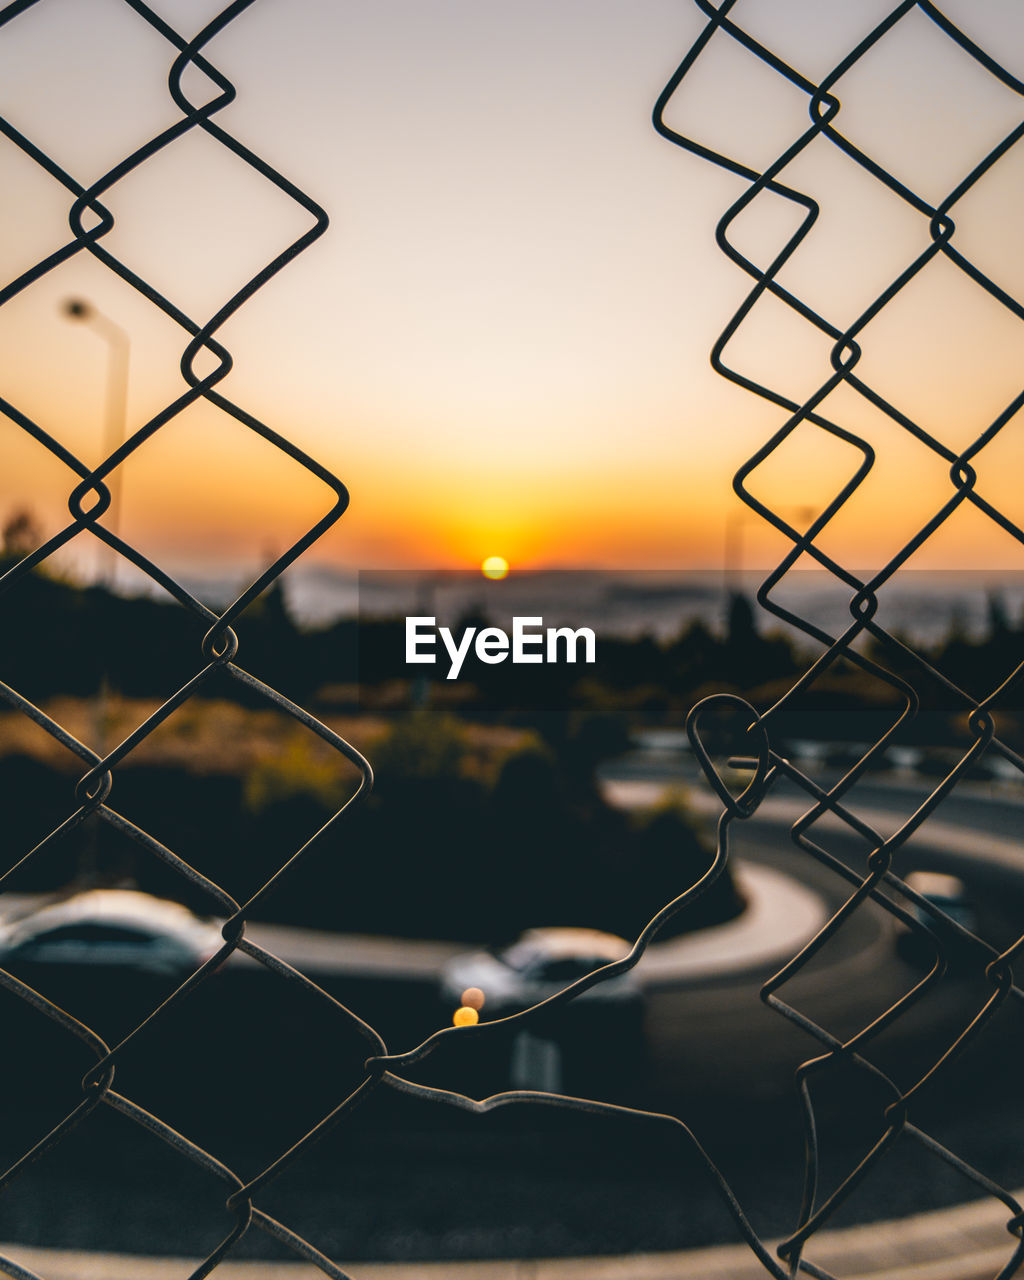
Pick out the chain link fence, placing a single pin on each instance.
(220, 656)
(890, 655)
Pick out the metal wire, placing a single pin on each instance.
(824, 108)
(90, 500)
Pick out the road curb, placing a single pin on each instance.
(780, 917)
(966, 1242)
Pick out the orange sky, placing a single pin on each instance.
(501, 345)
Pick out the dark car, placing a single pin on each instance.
(949, 894)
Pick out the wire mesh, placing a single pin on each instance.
(90, 503)
(824, 108)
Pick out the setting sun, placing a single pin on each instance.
(495, 567)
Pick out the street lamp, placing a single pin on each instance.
(116, 409)
(735, 522)
(116, 417)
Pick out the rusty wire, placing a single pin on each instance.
(90, 499)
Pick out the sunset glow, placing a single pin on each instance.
(514, 350)
(495, 568)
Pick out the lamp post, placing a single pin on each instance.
(734, 525)
(116, 407)
(114, 430)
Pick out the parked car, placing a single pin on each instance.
(949, 894)
(592, 1045)
(110, 928)
(539, 964)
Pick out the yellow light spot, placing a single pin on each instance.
(473, 997)
(495, 567)
(465, 1017)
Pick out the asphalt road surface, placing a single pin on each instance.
(250, 1068)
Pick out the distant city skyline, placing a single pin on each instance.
(501, 344)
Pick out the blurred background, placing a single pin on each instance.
(500, 347)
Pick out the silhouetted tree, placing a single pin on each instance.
(21, 535)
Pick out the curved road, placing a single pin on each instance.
(424, 1182)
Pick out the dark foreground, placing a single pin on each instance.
(402, 1179)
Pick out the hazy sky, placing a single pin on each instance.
(501, 345)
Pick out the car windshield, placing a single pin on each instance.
(521, 957)
(526, 958)
(568, 969)
(91, 931)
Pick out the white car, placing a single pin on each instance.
(541, 963)
(120, 928)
